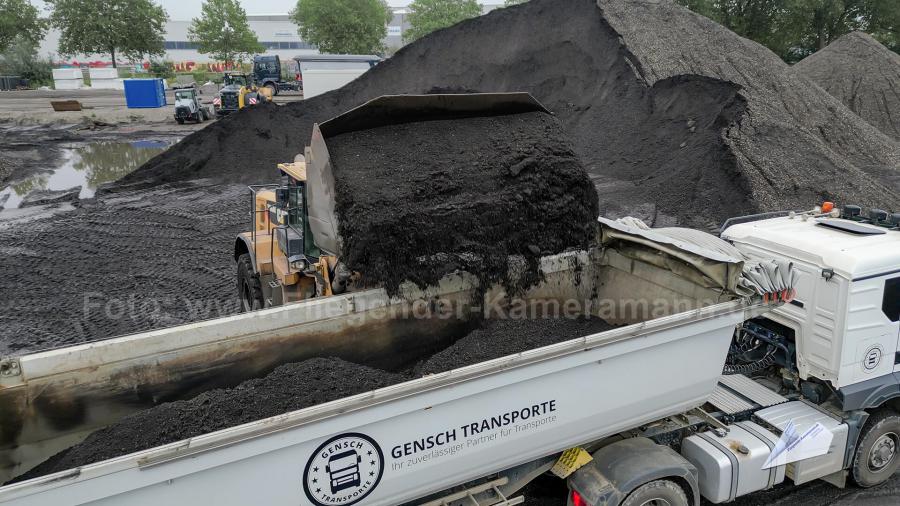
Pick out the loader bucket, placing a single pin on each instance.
(383, 111)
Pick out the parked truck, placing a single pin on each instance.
(267, 72)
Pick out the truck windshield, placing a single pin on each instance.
(182, 95)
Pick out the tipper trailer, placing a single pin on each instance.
(632, 415)
(519, 410)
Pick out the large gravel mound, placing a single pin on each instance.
(675, 117)
(863, 74)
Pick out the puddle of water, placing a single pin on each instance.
(87, 166)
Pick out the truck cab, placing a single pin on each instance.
(843, 325)
(267, 72)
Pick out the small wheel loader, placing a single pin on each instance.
(239, 91)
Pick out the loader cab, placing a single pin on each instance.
(842, 327)
(278, 260)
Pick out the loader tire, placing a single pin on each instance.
(661, 492)
(877, 455)
(249, 290)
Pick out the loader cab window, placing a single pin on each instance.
(295, 205)
(891, 302)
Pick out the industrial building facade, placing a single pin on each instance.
(277, 33)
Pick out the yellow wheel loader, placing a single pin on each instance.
(292, 251)
(239, 91)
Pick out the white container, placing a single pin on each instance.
(104, 73)
(731, 466)
(67, 74)
(319, 81)
(68, 84)
(107, 84)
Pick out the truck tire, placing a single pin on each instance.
(249, 290)
(272, 88)
(180, 121)
(877, 455)
(657, 493)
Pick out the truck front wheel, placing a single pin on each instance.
(657, 493)
(248, 286)
(876, 458)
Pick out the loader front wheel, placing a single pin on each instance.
(657, 493)
(248, 286)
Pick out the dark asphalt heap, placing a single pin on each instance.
(467, 194)
(675, 117)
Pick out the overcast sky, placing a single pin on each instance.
(187, 9)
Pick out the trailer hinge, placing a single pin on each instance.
(9, 367)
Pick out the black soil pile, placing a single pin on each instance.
(675, 117)
(499, 338)
(288, 388)
(864, 75)
(473, 192)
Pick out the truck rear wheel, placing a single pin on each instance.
(248, 286)
(657, 493)
(876, 458)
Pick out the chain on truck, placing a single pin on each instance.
(782, 368)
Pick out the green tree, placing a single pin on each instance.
(21, 59)
(793, 29)
(343, 26)
(772, 23)
(426, 16)
(827, 20)
(223, 31)
(20, 19)
(132, 28)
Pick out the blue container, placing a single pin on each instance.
(145, 93)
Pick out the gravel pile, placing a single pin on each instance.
(864, 75)
(470, 194)
(676, 118)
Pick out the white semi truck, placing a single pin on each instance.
(638, 414)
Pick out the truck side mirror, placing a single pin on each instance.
(281, 195)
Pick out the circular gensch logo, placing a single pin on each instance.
(343, 470)
(872, 358)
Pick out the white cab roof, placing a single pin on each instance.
(850, 255)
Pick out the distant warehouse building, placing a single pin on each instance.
(276, 32)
